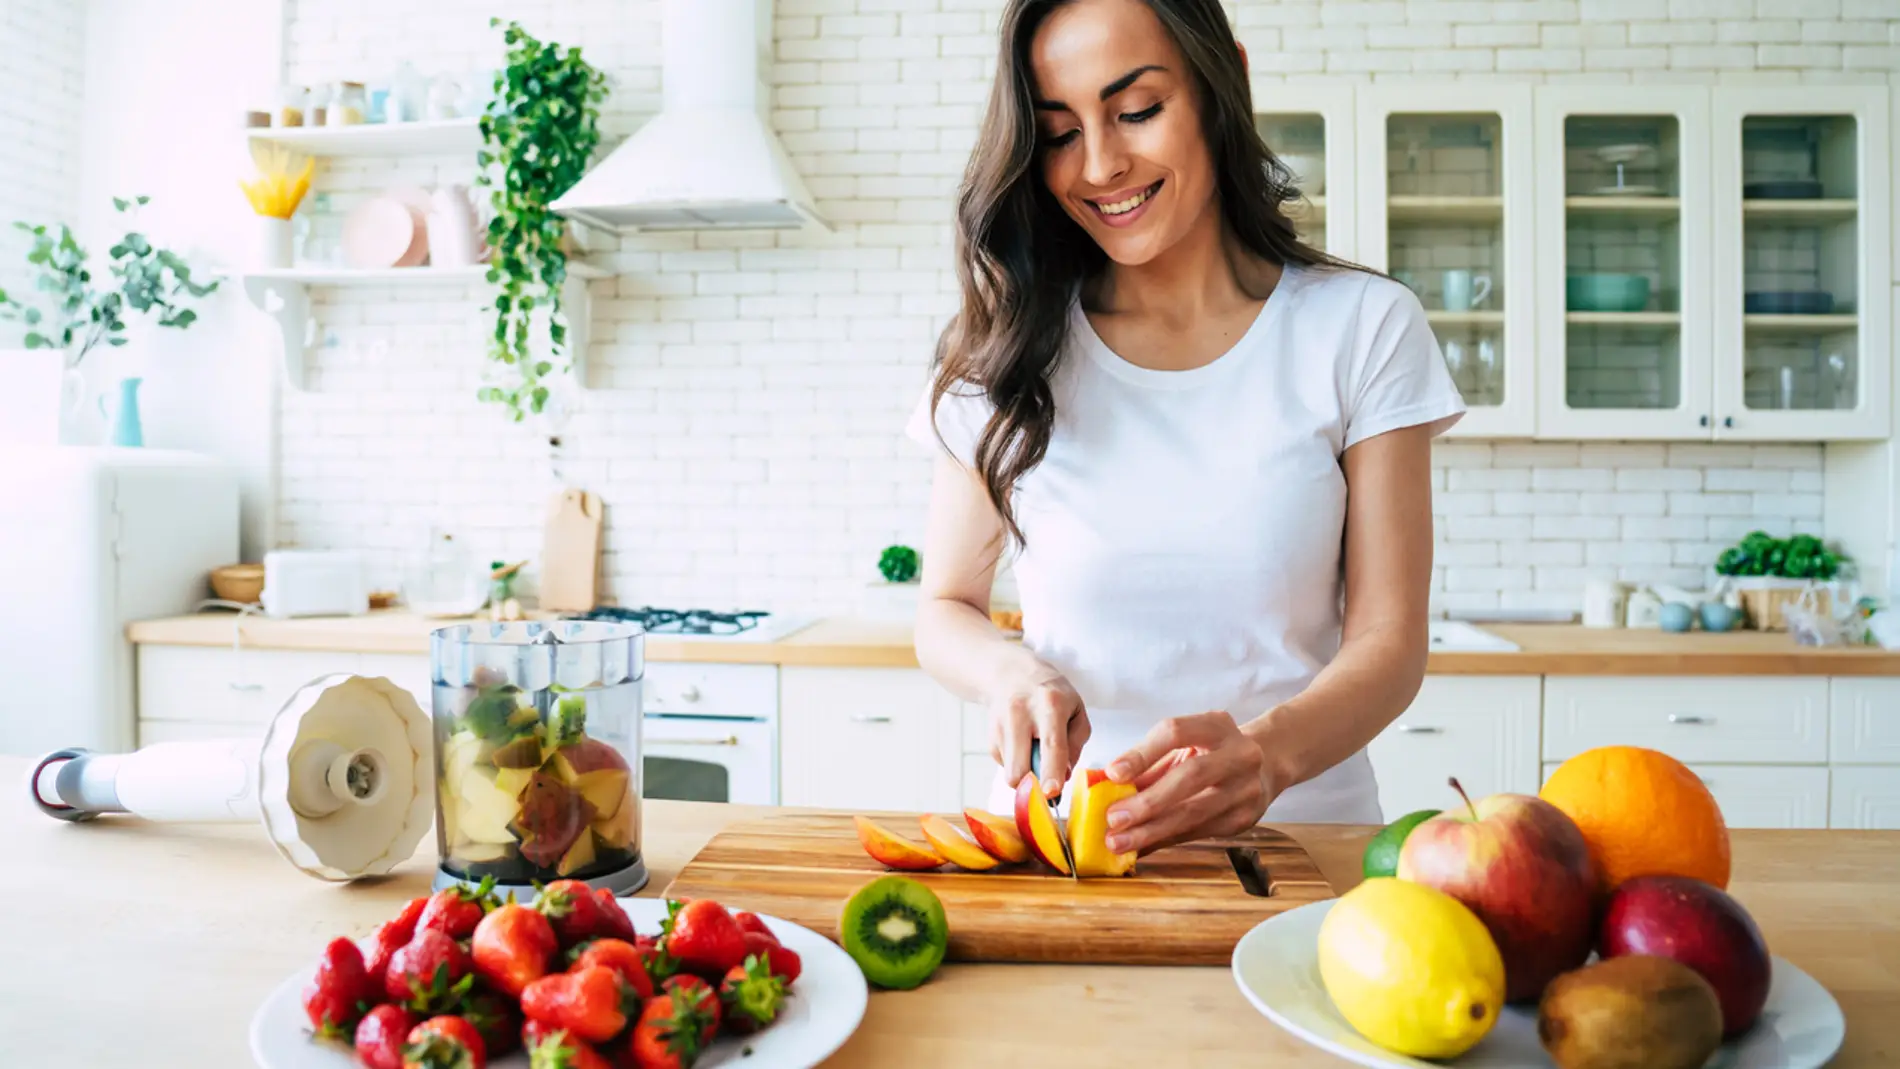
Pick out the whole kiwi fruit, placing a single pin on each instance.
(1634, 1012)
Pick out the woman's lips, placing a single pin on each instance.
(1124, 210)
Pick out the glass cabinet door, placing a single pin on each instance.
(1306, 129)
(1446, 197)
(1804, 256)
(1624, 301)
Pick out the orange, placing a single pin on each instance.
(1643, 814)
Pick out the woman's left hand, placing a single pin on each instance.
(1199, 776)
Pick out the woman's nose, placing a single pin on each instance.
(1105, 161)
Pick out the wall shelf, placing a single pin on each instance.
(284, 295)
(432, 137)
(1801, 211)
(1440, 317)
(1659, 209)
(1407, 208)
(1797, 323)
(1623, 319)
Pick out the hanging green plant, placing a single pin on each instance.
(539, 131)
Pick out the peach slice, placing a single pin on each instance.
(998, 837)
(950, 842)
(893, 851)
(1037, 825)
(1089, 800)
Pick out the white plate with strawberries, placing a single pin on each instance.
(812, 1015)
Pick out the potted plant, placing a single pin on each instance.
(893, 596)
(74, 311)
(1771, 574)
(540, 128)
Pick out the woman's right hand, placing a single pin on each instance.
(1041, 705)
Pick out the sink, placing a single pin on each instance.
(1455, 636)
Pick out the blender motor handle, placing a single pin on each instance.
(213, 780)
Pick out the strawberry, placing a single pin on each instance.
(380, 1036)
(428, 974)
(614, 922)
(623, 958)
(444, 1042)
(694, 991)
(751, 996)
(750, 922)
(782, 959)
(570, 906)
(341, 992)
(703, 937)
(393, 936)
(512, 948)
(496, 1017)
(557, 1048)
(593, 1003)
(455, 911)
(667, 1036)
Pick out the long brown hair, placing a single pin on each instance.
(1020, 257)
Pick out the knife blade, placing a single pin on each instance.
(1062, 836)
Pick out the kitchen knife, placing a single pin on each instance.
(1062, 835)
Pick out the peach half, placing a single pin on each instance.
(893, 851)
(998, 837)
(1037, 825)
(944, 837)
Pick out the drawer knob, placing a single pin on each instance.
(1681, 718)
(689, 694)
(1420, 729)
(867, 718)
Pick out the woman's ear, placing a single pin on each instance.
(1243, 56)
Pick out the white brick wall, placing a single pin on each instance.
(41, 93)
(748, 391)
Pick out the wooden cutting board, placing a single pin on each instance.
(1186, 905)
(570, 552)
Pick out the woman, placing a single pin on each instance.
(1207, 444)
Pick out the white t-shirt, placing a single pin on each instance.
(1183, 532)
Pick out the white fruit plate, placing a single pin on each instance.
(1277, 967)
(824, 1008)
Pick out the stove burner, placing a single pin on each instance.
(679, 621)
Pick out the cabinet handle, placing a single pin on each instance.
(729, 740)
(1704, 421)
(1679, 718)
(689, 694)
(867, 718)
(247, 686)
(1728, 421)
(1420, 729)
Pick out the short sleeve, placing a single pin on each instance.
(1398, 376)
(960, 417)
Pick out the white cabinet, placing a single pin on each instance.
(1309, 128)
(1623, 262)
(866, 739)
(1445, 200)
(1864, 726)
(1777, 720)
(1481, 729)
(1865, 796)
(201, 692)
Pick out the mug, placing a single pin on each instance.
(1459, 290)
(1604, 603)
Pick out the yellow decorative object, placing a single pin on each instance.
(283, 179)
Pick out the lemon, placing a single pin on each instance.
(1411, 968)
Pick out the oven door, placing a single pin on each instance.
(708, 759)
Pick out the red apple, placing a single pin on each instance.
(1700, 926)
(1524, 868)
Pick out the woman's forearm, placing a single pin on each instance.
(962, 649)
(1372, 680)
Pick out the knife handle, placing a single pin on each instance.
(1035, 767)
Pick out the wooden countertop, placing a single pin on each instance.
(1545, 649)
(104, 920)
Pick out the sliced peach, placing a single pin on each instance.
(998, 837)
(897, 853)
(950, 842)
(1037, 825)
(1088, 825)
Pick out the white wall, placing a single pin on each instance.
(165, 92)
(749, 390)
(42, 43)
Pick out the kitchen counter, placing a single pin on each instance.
(1545, 649)
(104, 921)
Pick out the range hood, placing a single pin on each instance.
(709, 160)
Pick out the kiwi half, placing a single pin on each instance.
(895, 929)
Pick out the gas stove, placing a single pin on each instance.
(702, 624)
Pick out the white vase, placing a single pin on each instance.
(451, 227)
(273, 238)
(36, 397)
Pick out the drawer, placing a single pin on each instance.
(710, 689)
(979, 774)
(1864, 721)
(1481, 729)
(152, 732)
(1865, 796)
(1711, 719)
(868, 739)
(1763, 796)
(976, 729)
(221, 685)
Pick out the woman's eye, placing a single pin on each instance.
(1059, 140)
(1143, 115)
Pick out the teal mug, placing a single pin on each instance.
(1606, 293)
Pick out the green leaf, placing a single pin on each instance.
(120, 203)
(32, 315)
(36, 340)
(117, 339)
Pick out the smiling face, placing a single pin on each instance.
(1121, 146)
